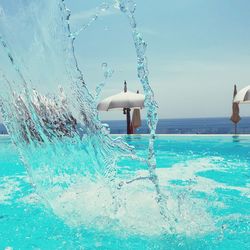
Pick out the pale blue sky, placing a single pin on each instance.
(197, 50)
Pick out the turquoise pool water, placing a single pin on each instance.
(206, 181)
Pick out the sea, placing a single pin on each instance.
(180, 126)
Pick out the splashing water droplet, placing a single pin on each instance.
(104, 66)
(104, 7)
(64, 125)
(1, 12)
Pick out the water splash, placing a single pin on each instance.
(59, 136)
(128, 7)
(107, 73)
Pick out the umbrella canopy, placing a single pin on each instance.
(136, 118)
(122, 100)
(235, 118)
(243, 96)
(126, 101)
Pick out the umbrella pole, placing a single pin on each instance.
(128, 121)
(235, 128)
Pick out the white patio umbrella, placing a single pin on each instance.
(122, 100)
(243, 96)
(235, 118)
(125, 100)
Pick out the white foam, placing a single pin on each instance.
(32, 198)
(188, 172)
(91, 204)
(8, 186)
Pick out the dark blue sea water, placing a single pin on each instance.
(182, 126)
(188, 126)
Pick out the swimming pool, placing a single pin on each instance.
(206, 180)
